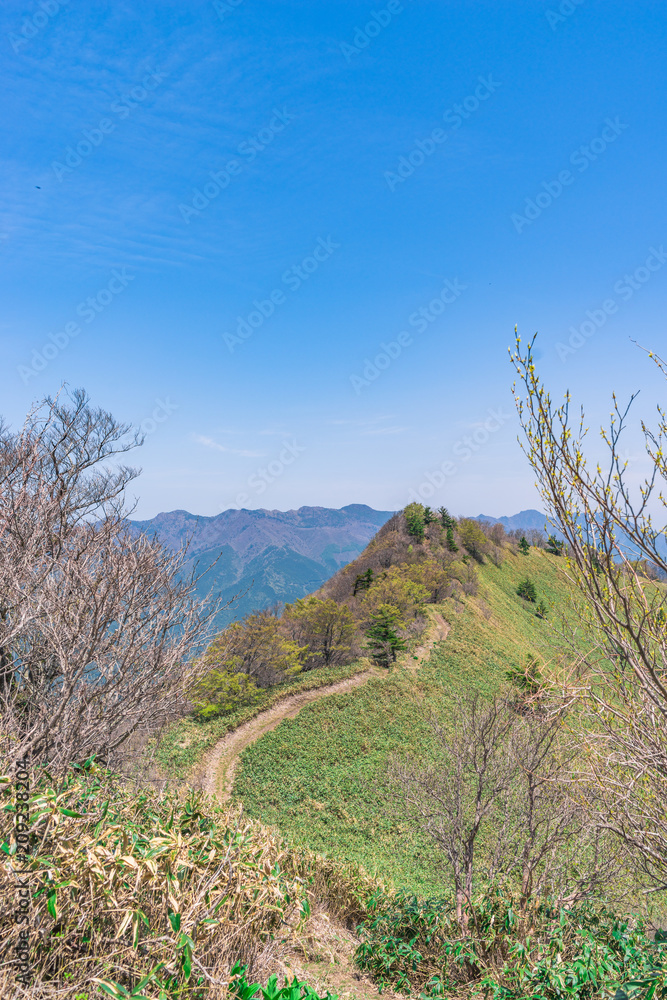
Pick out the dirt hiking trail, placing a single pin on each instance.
(216, 774)
(323, 955)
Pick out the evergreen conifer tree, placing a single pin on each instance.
(384, 641)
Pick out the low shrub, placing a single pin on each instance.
(402, 939)
(506, 951)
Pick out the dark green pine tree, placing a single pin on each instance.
(446, 519)
(526, 589)
(524, 546)
(384, 641)
(429, 516)
(414, 520)
(363, 581)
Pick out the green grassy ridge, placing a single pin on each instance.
(478, 649)
(184, 744)
(320, 776)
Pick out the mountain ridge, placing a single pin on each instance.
(271, 557)
(525, 520)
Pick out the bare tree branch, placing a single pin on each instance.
(619, 643)
(97, 627)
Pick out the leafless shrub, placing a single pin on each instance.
(533, 536)
(96, 627)
(466, 574)
(500, 778)
(497, 534)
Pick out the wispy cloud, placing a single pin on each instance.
(216, 446)
(385, 430)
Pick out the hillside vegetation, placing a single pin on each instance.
(322, 777)
(327, 777)
(374, 608)
(152, 895)
(166, 896)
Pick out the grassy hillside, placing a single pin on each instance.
(321, 776)
(184, 744)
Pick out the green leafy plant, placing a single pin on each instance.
(241, 989)
(325, 628)
(473, 539)
(541, 951)
(396, 936)
(527, 679)
(222, 691)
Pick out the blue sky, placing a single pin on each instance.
(217, 217)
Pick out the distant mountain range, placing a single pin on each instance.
(267, 556)
(525, 520)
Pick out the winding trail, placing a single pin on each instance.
(216, 773)
(437, 631)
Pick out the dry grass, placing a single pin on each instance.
(125, 881)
